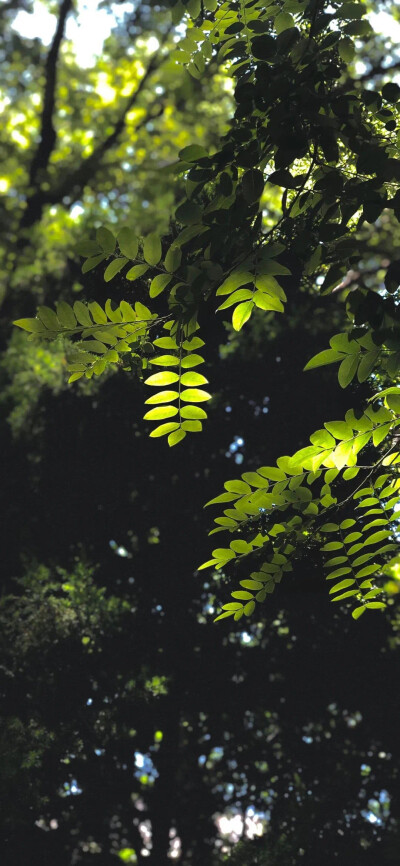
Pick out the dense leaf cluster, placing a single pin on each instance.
(304, 124)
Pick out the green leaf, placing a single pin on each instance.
(191, 361)
(194, 395)
(87, 247)
(339, 572)
(234, 281)
(242, 594)
(160, 413)
(346, 49)
(347, 370)
(48, 318)
(370, 569)
(160, 282)
(323, 438)
(255, 479)
(350, 593)
(393, 401)
(141, 311)
(241, 314)
(283, 21)
(237, 486)
(34, 326)
(367, 364)
(328, 356)
(249, 608)
(350, 10)
(162, 396)
(358, 611)
(82, 314)
(377, 536)
(92, 263)
(192, 153)
(343, 584)
(163, 429)
(165, 361)
(235, 297)
(267, 302)
(94, 346)
(165, 378)
(252, 184)
(106, 240)
(272, 473)
(128, 242)
(188, 213)
(173, 258)
(251, 584)
(339, 429)
(152, 249)
(193, 412)
(97, 313)
(192, 426)
(343, 455)
(267, 283)
(136, 272)
(193, 379)
(66, 315)
(114, 268)
(173, 439)
(375, 605)
(165, 343)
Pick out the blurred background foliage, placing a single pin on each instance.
(133, 730)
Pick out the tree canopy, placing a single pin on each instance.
(232, 170)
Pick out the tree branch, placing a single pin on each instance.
(74, 182)
(47, 131)
(88, 166)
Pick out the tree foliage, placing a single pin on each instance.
(305, 124)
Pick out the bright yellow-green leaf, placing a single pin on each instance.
(159, 379)
(176, 437)
(162, 397)
(161, 412)
(234, 281)
(191, 361)
(159, 283)
(268, 283)
(192, 426)
(267, 302)
(194, 395)
(241, 314)
(347, 370)
(193, 379)
(165, 361)
(114, 268)
(136, 272)
(193, 412)
(163, 429)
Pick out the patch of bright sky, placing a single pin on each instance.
(87, 30)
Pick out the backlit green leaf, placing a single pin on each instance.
(152, 249)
